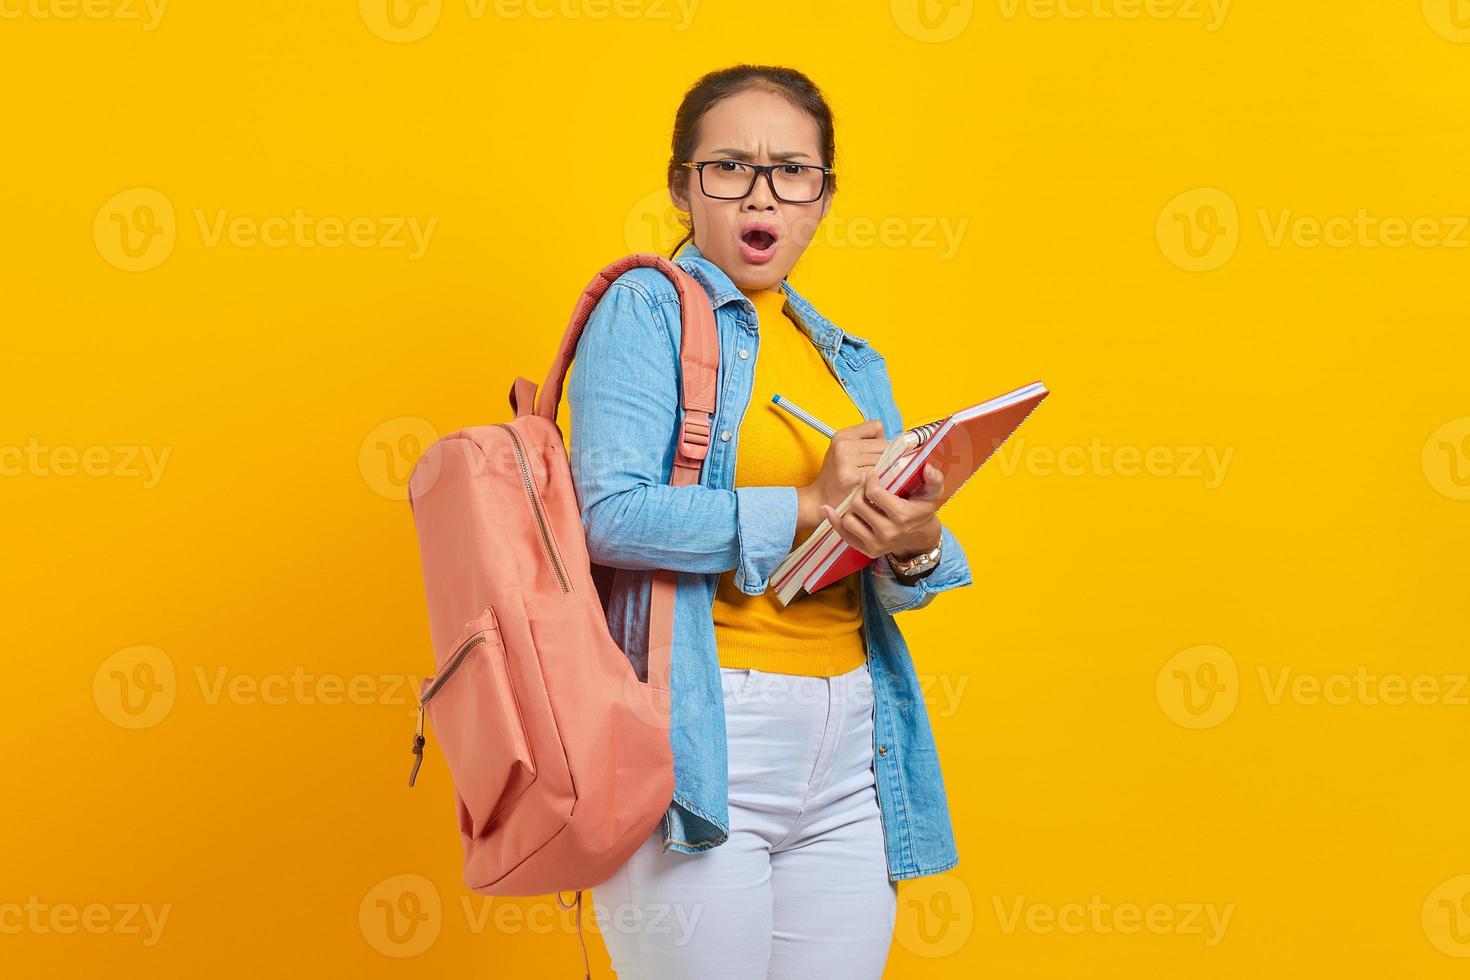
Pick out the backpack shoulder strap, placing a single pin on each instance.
(699, 358)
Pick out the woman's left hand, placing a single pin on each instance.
(878, 522)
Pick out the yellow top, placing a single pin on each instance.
(821, 634)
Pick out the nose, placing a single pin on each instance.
(762, 196)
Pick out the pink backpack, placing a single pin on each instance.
(559, 754)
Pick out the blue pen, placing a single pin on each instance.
(805, 416)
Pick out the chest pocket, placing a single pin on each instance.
(858, 357)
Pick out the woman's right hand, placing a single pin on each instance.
(850, 457)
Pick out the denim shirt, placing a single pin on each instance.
(624, 399)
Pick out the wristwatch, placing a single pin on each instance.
(915, 568)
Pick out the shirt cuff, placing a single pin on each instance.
(765, 521)
(952, 572)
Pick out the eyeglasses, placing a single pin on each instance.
(731, 180)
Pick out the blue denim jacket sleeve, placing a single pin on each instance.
(624, 400)
(952, 572)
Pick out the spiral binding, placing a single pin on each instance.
(926, 431)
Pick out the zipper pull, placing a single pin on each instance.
(418, 747)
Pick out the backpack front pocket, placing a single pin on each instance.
(472, 705)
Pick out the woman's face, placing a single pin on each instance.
(754, 126)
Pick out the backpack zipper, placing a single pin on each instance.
(444, 675)
(541, 524)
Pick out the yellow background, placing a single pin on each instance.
(1066, 152)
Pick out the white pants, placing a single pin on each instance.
(800, 889)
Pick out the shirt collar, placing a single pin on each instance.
(823, 332)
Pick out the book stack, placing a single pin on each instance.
(958, 444)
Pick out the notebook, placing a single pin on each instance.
(958, 444)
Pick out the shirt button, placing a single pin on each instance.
(882, 750)
(744, 353)
(725, 436)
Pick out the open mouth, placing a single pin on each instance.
(758, 239)
(758, 243)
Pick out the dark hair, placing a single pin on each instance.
(795, 86)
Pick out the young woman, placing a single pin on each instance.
(806, 777)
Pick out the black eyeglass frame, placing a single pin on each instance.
(756, 170)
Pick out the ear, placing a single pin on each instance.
(680, 194)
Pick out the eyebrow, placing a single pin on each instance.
(730, 151)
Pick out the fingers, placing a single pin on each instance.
(905, 510)
(889, 503)
(872, 514)
(852, 531)
(933, 486)
(871, 430)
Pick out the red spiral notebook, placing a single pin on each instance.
(958, 444)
